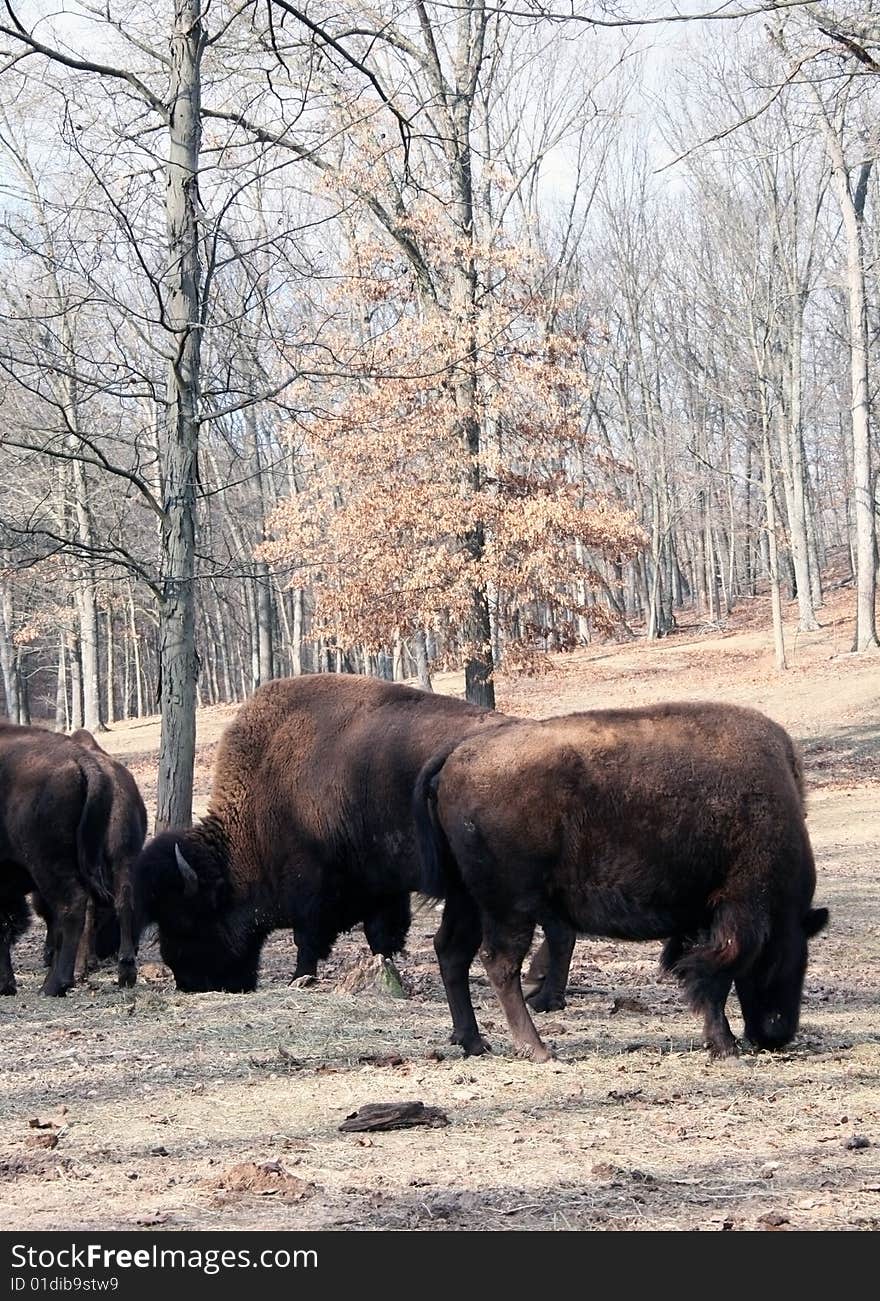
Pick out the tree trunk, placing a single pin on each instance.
(85, 595)
(111, 706)
(791, 447)
(76, 698)
(8, 659)
(62, 715)
(178, 661)
(420, 654)
(773, 557)
(479, 665)
(852, 205)
(265, 615)
(136, 655)
(296, 649)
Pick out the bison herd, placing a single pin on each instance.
(336, 798)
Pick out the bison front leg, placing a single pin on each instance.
(386, 929)
(503, 951)
(126, 962)
(717, 1034)
(7, 975)
(455, 944)
(306, 955)
(549, 969)
(70, 919)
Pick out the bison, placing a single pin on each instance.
(110, 924)
(682, 822)
(56, 801)
(309, 826)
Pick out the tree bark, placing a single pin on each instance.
(8, 658)
(773, 556)
(111, 705)
(851, 201)
(296, 649)
(178, 661)
(420, 654)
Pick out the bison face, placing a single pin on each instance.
(770, 992)
(207, 938)
(208, 960)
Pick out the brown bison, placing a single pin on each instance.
(682, 822)
(309, 826)
(55, 807)
(110, 924)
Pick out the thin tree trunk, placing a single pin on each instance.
(851, 201)
(8, 659)
(773, 556)
(265, 621)
(76, 699)
(178, 662)
(296, 648)
(62, 716)
(420, 654)
(136, 654)
(111, 706)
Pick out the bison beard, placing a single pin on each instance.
(309, 827)
(677, 822)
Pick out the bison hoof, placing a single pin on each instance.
(126, 975)
(534, 1053)
(541, 1002)
(472, 1045)
(724, 1049)
(7, 989)
(53, 988)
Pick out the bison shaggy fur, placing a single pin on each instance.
(309, 826)
(55, 807)
(680, 822)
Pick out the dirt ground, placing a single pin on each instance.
(149, 1108)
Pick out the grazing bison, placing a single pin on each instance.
(682, 822)
(110, 924)
(55, 808)
(309, 826)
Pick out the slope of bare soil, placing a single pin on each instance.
(173, 1111)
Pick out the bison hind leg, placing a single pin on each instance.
(455, 944)
(707, 964)
(70, 917)
(505, 945)
(706, 984)
(15, 918)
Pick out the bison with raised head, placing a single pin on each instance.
(309, 826)
(55, 807)
(682, 822)
(110, 923)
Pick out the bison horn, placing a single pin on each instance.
(190, 879)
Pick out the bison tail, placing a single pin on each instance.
(731, 944)
(436, 863)
(91, 833)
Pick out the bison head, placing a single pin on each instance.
(206, 937)
(770, 992)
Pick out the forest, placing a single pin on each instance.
(389, 338)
